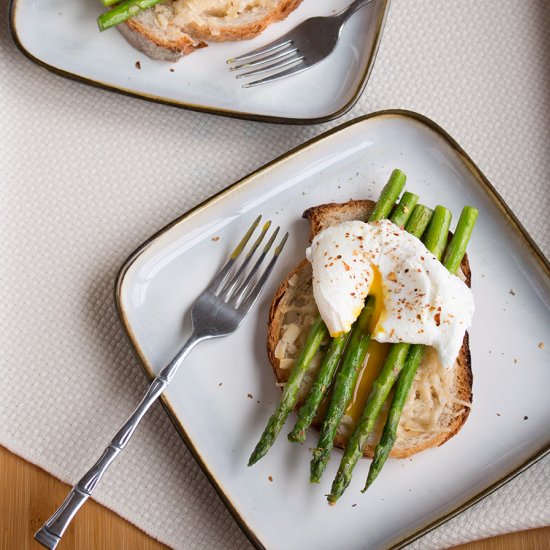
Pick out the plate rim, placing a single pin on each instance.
(482, 181)
(205, 108)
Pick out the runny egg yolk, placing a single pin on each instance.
(376, 353)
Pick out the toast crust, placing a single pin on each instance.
(154, 45)
(299, 278)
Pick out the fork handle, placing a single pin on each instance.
(51, 532)
(346, 13)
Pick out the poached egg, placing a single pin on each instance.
(417, 300)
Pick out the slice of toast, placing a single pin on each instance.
(439, 401)
(176, 28)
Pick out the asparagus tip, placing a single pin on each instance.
(371, 476)
(254, 457)
(296, 437)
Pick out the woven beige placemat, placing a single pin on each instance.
(71, 210)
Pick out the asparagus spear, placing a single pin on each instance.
(316, 335)
(455, 252)
(388, 196)
(389, 434)
(347, 377)
(379, 392)
(419, 220)
(390, 193)
(108, 3)
(438, 231)
(404, 209)
(320, 386)
(401, 214)
(457, 247)
(123, 12)
(343, 389)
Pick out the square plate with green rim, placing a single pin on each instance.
(225, 392)
(62, 36)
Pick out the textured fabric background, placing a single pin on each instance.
(71, 210)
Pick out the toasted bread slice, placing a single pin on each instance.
(439, 401)
(179, 27)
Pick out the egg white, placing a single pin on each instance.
(423, 302)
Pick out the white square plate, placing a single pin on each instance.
(62, 35)
(224, 394)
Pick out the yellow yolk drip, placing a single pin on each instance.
(375, 355)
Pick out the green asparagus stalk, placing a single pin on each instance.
(389, 434)
(389, 195)
(123, 12)
(108, 3)
(393, 365)
(347, 377)
(438, 231)
(318, 390)
(419, 220)
(457, 248)
(344, 385)
(404, 209)
(401, 214)
(316, 335)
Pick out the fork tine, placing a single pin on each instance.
(245, 285)
(276, 44)
(273, 57)
(274, 66)
(248, 302)
(218, 280)
(227, 288)
(278, 76)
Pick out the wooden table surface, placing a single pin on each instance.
(28, 496)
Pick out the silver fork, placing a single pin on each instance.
(299, 49)
(218, 311)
